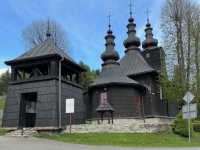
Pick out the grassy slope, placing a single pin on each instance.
(2, 101)
(128, 139)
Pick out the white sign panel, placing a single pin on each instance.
(192, 114)
(188, 97)
(193, 107)
(70, 105)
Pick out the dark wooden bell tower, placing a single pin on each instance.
(33, 93)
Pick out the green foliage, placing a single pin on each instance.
(171, 88)
(4, 80)
(2, 101)
(180, 126)
(88, 76)
(196, 125)
(127, 139)
(3, 132)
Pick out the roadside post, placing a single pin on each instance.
(70, 109)
(189, 110)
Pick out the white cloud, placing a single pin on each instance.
(2, 70)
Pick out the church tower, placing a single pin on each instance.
(113, 86)
(33, 93)
(143, 67)
(153, 54)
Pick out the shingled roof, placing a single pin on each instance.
(113, 74)
(133, 63)
(43, 49)
(105, 106)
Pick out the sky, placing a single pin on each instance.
(85, 21)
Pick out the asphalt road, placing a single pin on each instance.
(7, 143)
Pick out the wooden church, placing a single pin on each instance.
(33, 93)
(130, 86)
(44, 77)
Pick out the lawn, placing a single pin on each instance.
(128, 139)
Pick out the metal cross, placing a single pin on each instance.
(109, 20)
(48, 24)
(147, 12)
(130, 8)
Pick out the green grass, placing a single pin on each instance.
(2, 101)
(3, 132)
(127, 139)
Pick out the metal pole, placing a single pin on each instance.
(22, 126)
(143, 105)
(188, 117)
(60, 91)
(70, 123)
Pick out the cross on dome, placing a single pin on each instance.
(147, 12)
(109, 20)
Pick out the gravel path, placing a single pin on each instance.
(8, 143)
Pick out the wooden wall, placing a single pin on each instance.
(153, 105)
(47, 103)
(122, 98)
(155, 57)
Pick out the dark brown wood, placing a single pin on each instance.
(13, 74)
(39, 72)
(112, 117)
(78, 78)
(54, 68)
(18, 74)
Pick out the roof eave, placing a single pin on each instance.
(135, 74)
(117, 83)
(8, 63)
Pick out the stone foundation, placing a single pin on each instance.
(125, 125)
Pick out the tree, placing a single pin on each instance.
(180, 31)
(4, 80)
(88, 77)
(35, 33)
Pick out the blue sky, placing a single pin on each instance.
(84, 20)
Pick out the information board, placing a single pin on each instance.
(70, 105)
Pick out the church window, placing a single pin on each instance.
(103, 97)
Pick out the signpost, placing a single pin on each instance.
(192, 111)
(189, 111)
(70, 109)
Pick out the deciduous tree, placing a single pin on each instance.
(180, 33)
(35, 33)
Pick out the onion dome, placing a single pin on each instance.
(110, 54)
(149, 41)
(112, 73)
(132, 40)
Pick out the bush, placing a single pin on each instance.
(196, 125)
(180, 126)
